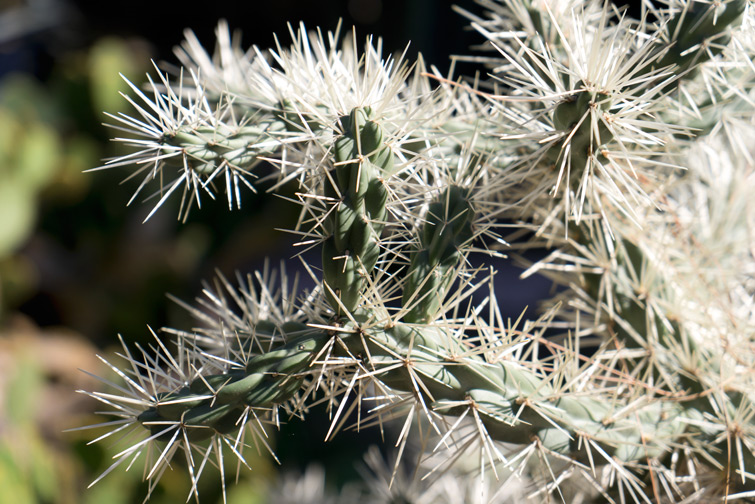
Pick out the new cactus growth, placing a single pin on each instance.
(622, 147)
(356, 186)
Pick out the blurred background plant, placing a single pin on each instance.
(76, 269)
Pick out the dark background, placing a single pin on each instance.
(55, 26)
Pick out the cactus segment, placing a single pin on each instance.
(445, 232)
(362, 160)
(640, 321)
(698, 32)
(515, 404)
(582, 117)
(206, 148)
(296, 121)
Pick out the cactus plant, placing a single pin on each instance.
(621, 146)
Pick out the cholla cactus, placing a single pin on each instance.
(622, 146)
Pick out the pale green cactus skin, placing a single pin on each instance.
(397, 207)
(581, 115)
(208, 148)
(447, 228)
(688, 383)
(362, 161)
(699, 32)
(500, 390)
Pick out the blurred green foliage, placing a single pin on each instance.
(44, 148)
(72, 256)
(54, 220)
(33, 156)
(39, 463)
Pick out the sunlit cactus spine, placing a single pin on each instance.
(620, 146)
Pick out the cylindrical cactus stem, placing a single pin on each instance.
(692, 36)
(516, 404)
(581, 117)
(212, 404)
(295, 120)
(446, 229)
(362, 160)
(697, 32)
(206, 149)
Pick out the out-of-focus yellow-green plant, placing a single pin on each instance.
(39, 463)
(46, 141)
(50, 132)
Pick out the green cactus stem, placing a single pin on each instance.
(362, 161)
(446, 230)
(698, 32)
(208, 148)
(698, 405)
(581, 115)
(516, 404)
